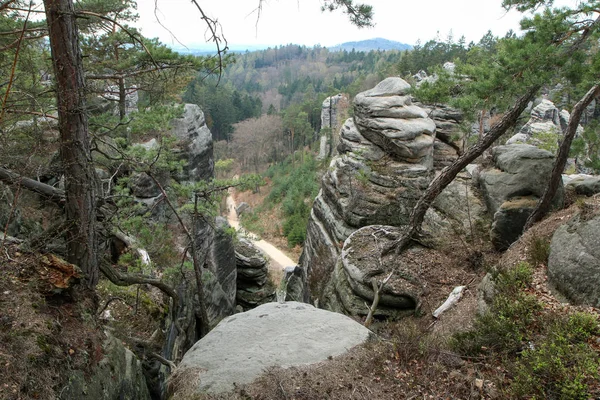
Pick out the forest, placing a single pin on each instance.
(118, 154)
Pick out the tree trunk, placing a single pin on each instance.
(449, 173)
(543, 205)
(80, 177)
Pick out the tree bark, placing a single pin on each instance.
(543, 206)
(80, 176)
(449, 173)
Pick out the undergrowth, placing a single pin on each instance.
(547, 354)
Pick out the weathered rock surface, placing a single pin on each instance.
(330, 118)
(220, 275)
(350, 286)
(574, 262)
(196, 143)
(242, 346)
(117, 376)
(545, 119)
(386, 116)
(518, 179)
(587, 185)
(369, 184)
(385, 164)
(252, 275)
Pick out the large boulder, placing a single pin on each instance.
(244, 345)
(574, 262)
(511, 187)
(386, 116)
(350, 286)
(587, 185)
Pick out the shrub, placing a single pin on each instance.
(539, 251)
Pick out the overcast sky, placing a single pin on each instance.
(302, 22)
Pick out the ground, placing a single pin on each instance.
(413, 359)
(44, 335)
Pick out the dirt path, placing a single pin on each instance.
(278, 259)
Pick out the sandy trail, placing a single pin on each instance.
(278, 259)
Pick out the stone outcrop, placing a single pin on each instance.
(512, 187)
(544, 128)
(242, 346)
(252, 275)
(385, 162)
(587, 185)
(574, 262)
(196, 146)
(118, 375)
(330, 121)
(360, 261)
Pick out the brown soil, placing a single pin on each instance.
(43, 334)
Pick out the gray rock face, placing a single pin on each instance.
(386, 116)
(385, 164)
(574, 262)
(547, 124)
(364, 185)
(329, 111)
(448, 137)
(117, 376)
(221, 274)
(252, 275)
(587, 185)
(330, 119)
(242, 346)
(519, 177)
(196, 143)
(350, 286)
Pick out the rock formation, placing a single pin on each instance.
(385, 163)
(574, 262)
(586, 185)
(252, 276)
(330, 121)
(544, 128)
(512, 187)
(196, 146)
(242, 346)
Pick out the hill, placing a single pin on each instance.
(371, 44)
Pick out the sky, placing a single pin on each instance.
(301, 21)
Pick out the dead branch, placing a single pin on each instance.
(14, 65)
(51, 193)
(377, 288)
(120, 279)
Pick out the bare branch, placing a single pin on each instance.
(14, 66)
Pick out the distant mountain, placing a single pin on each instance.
(371, 44)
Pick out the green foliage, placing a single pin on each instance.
(561, 364)
(504, 327)
(547, 353)
(295, 185)
(587, 147)
(547, 141)
(539, 251)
